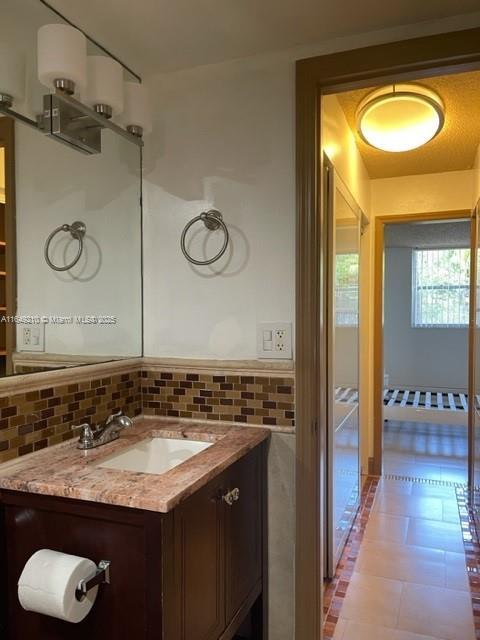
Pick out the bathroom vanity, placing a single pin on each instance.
(187, 546)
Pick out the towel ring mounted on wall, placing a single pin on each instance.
(213, 220)
(77, 231)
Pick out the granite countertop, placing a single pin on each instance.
(65, 471)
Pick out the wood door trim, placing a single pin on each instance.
(409, 59)
(378, 279)
(472, 342)
(7, 141)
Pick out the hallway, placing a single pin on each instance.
(425, 451)
(403, 575)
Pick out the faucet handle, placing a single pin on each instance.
(85, 441)
(111, 417)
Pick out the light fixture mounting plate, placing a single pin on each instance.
(64, 122)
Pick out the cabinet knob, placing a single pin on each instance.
(231, 496)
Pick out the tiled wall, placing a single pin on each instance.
(252, 399)
(36, 419)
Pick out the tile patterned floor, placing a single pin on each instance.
(335, 590)
(471, 539)
(424, 450)
(403, 575)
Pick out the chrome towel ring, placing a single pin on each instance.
(213, 220)
(77, 231)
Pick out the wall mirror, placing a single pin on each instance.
(344, 223)
(53, 315)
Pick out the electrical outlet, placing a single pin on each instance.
(27, 336)
(31, 337)
(274, 340)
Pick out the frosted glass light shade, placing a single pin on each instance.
(400, 117)
(137, 111)
(104, 83)
(62, 54)
(12, 73)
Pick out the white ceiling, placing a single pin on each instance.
(163, 35)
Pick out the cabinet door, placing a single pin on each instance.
(199, 566)
(93, 531)
(243, 531)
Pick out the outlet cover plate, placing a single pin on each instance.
(31, 337)
(274, 340)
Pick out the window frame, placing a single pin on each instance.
(348, 325)
(413, 296)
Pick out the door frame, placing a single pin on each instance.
(333, 182)
(404, 60)
(378, 309)
(7, 142)
(472, 343)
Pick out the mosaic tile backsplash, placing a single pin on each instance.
(36, 419)
(32, 420)
(267, 400)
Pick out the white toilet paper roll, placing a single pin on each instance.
(49, 581)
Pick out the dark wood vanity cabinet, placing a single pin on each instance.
(195, 573)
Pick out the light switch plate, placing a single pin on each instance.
(274, 340)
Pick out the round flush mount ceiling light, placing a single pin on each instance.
(400, 117)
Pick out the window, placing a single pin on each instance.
(346, 290)
(440, 287)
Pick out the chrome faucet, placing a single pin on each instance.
(108, 431)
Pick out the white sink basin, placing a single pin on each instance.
(155, 455)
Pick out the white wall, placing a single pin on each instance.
(224, 136)
(431, 192)
(56, 185)
(418, 358)
(340, 146)
(223, 139)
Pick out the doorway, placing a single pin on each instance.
(426, 300)
(415, 59)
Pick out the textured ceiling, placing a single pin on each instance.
(428, 235)
(454, 147)
(161, 35)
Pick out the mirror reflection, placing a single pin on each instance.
(344, 365)
(70, 224)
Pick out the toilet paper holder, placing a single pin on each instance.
(102, 576)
